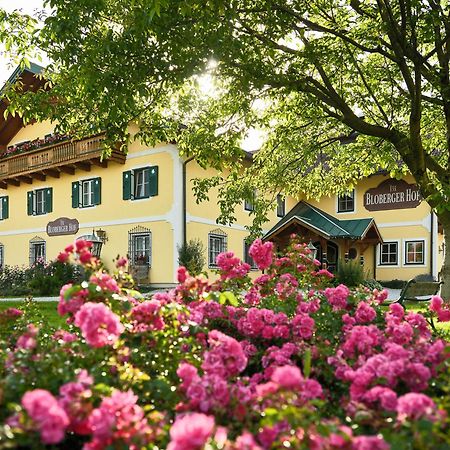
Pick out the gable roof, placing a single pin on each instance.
(324, 224)
(11, 125)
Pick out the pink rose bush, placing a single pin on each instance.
(288, 359)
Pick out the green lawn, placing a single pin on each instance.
(46, 311)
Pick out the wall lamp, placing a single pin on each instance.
(101, 235)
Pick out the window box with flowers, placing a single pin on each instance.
(28, 146)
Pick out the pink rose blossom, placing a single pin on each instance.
(231, 266)
(105, 282)
(75, 399)
(415, 406)
(182, 274)
(119, 419)
(436, 303)
(225, 357)
(98, 324)
(337, 297)
(261, 253)
(121, 262)
(72, 304)
(27, 340)
(288, 377)
(191, 432)
(303, 325)
(51, 420)
(365, 313)
(369, 443)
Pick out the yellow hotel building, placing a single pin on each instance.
(54, 190)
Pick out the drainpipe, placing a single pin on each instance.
(184, 225)
(431, 242)
(375, 262)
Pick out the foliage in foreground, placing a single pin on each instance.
(281, 361)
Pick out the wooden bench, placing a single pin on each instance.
(418, 291)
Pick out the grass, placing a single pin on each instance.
(43, 310)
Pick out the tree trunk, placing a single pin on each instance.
(444, 218)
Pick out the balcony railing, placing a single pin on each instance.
(51, 160)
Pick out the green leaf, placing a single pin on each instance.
(228, 298)
(307, 363)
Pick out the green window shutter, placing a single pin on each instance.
(30, 209)
(49, 200)
(127, 185)
(97, 191)
(76, 194)
(5, 207)
(153, 181)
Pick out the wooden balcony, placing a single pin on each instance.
(54, 159)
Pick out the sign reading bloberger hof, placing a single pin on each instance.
(63, 226)
(392, 194)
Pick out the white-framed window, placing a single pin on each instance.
(140, 247)
(217, 243)
(281, 206)
(415, 252)
(140, 183)
(247, 258)
(87, 193)
(37, 251)
(40, 201)
(346, 202)
(2, 256)
(388, 254)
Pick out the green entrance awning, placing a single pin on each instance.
(324, 224)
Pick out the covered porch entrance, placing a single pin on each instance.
(335, 240)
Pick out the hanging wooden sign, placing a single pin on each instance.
(392, 194)
(63, 226)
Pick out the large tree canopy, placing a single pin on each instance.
(307, 72)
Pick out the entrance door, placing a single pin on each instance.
(332, 255)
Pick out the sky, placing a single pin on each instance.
(28, 7)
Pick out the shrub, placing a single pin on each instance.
(39, 279)
(372, 284)
(282, 361)
(192, 256)
(350, 273)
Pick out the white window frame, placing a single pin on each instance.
(33, 256)
(141, 185)
(222, 239)
(379, 254)
(87, 191)
(351, 194)
(39, 202)
(139, 251)
(424, 252)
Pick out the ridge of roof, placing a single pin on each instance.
(336, 228)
